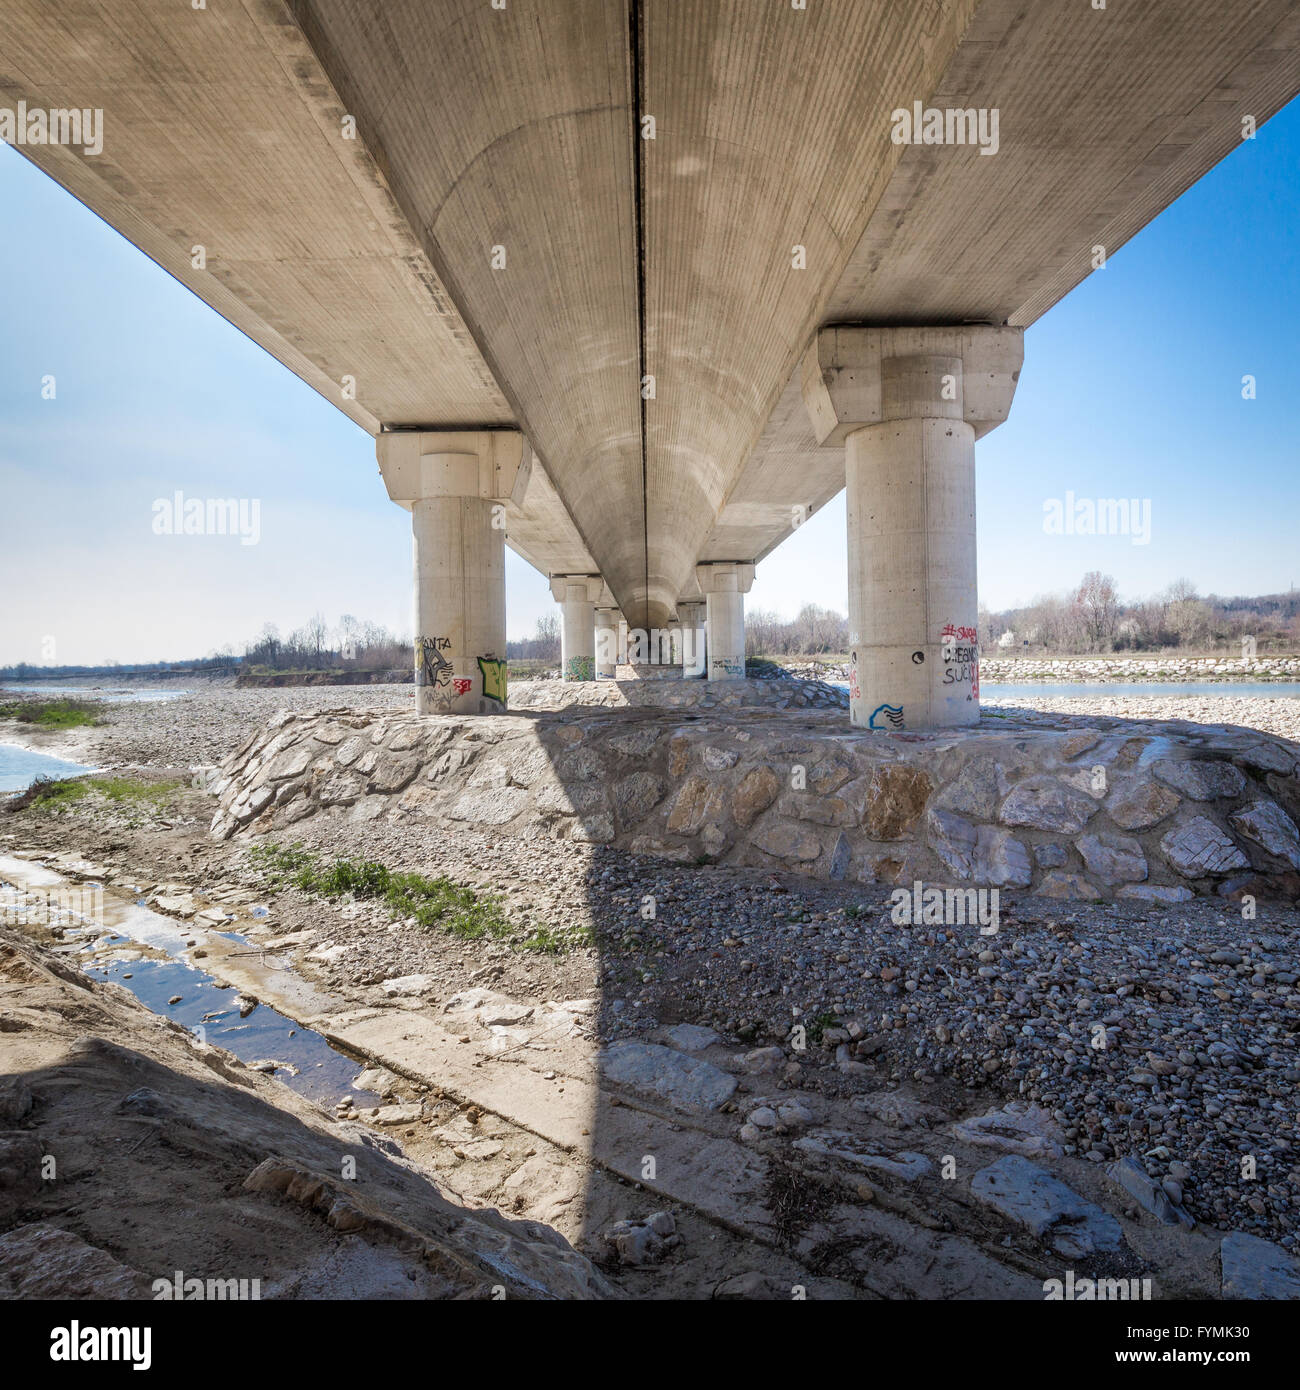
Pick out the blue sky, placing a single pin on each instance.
(1131, 388)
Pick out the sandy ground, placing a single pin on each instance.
(131, 1152)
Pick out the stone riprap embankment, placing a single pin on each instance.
(1146, 812)
(765, 693)
(1118, 669)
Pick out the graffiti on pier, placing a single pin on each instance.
(462, 685)
(961, 657)
(886, 717)
(431, 667)
(580, 668)
(855, 690)
(494, 678)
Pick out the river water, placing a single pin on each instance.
(110, 694)
(20, 767)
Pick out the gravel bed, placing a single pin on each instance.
(209, 723)
(1278, 715)
(1168, 1033)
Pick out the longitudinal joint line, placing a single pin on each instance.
(638, 202)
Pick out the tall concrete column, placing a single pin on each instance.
(724, 587)
(577, 595)
(692, 613)
(907, 405)
(455, 485)
(608, 621)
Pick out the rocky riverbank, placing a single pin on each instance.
(1164, 1034)
(1161, 1035)
(193, 730)
(1217, 710)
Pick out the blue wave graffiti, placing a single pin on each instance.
(893, 713)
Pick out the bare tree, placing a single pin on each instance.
(1099, 606)
(547, 638)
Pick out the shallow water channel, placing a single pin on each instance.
(114, 939)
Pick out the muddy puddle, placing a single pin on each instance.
(145, 952)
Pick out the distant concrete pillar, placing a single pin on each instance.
(455, 484)
(692, 612)
(608, 622)
(908, 404)
(577, 595)
(724, 587)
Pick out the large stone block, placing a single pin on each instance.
(1030, 1196)
(785, 840)
(1198, 847)
(754, 793)
(896, 797)
(1140, 804)
(688, 1083)
(636, 795)
(953, 839)
(976, 790)
(1046, 803)
(1268, 825)
(1000, 859)
(1113, 858)
(697, 801)
(1201, 780)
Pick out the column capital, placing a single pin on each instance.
(854, 376)
(724, 577)
(419, 464)
(581, 588)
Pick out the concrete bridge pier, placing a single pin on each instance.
(724, 587)
(455, 485)
(692, 614)
(577, 595)
(908, 404)
(608, 624)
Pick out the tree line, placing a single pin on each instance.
(1088, 618)
(1092, 618)
(351, 645)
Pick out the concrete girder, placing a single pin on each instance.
(371, 259)
(1087, 157)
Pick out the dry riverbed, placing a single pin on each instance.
(1168, 1035)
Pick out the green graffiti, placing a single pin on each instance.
(580, 668)
(494, 678)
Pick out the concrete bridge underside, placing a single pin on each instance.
(447, 217)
